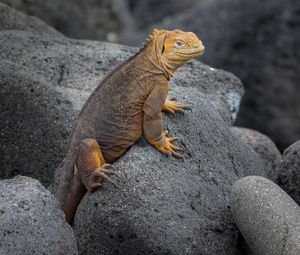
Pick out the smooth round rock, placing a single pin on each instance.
(289, 171)
(267, 217)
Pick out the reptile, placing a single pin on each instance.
(127, 104)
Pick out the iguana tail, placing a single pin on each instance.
(70, 190)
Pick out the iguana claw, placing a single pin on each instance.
(95, 179)
(165, 146)
(171, 106)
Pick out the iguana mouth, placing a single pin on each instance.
(190, 54)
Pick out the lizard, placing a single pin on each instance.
(127, 104)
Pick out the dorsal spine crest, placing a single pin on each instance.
(156, 32)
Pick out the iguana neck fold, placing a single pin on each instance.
(153, 53)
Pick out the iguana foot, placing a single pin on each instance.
(172, 106)
(95, 179)
(164, 145)
(91, 165)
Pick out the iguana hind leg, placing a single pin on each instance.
(91, 166)
(90, 170)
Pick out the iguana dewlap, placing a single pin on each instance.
(126, 105)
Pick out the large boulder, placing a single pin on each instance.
(170, 206)
(259, 42)
(46, 79)
(289, 171)
(31, 220)
(267, 217)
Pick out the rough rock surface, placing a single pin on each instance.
(267, 217)
(289, 171)
(170, 206)
(264, 147)
(45, 80)
(259, 42)
(31, 220)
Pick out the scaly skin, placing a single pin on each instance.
(126, 105)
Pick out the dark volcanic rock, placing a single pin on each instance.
(31, 220)
(259, 42)
(148, 12)
(266, 216)
(11, 19)
(90, 19)
(170, 206)
(45, 80)
(264, 147)
(34, 123)
(289, 171)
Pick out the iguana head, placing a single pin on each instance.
(174, 48)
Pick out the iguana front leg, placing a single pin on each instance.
(153, 123)
(172, 106)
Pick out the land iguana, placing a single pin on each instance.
(126, 105)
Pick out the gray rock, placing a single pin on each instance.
(151, 11)
(222, 89)
(289, 171)
(31, 220)
(45, 80)
(264, 147)
(267, 217)
(89, 19)
(11, 19)
(170, 206)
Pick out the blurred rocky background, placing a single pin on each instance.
(45, 78)
(256, 40)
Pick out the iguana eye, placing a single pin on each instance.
(179, 43)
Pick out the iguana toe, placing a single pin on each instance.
(172, 106)
(165, 146)
(96, 178)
